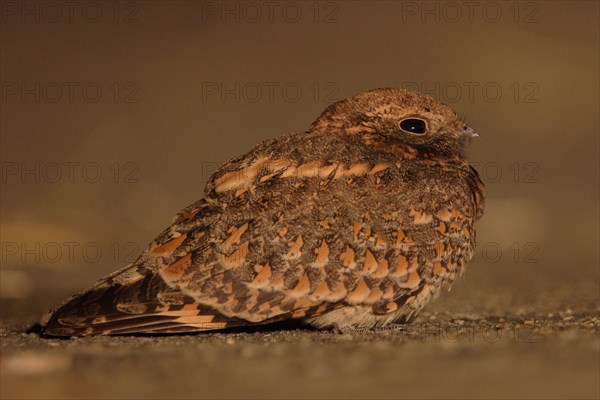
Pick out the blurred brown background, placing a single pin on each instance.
(115, 113)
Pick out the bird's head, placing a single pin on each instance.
(397, 118)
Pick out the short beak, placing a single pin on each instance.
(470, 132)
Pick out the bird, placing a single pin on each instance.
(356, 223)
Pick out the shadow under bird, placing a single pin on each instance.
(354, 224)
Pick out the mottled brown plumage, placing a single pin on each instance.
(355, 223)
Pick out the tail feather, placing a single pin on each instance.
(137, 300)
(134, 307)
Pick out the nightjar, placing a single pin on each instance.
(358, 222)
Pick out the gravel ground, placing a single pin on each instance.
(505, 331)
(437, 356)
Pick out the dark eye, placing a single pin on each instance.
(413, 125)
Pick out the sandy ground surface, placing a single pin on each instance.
(438, 357)
(496, 335)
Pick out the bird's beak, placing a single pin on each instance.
(469, 132)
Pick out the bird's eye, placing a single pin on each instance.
(413, 125)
